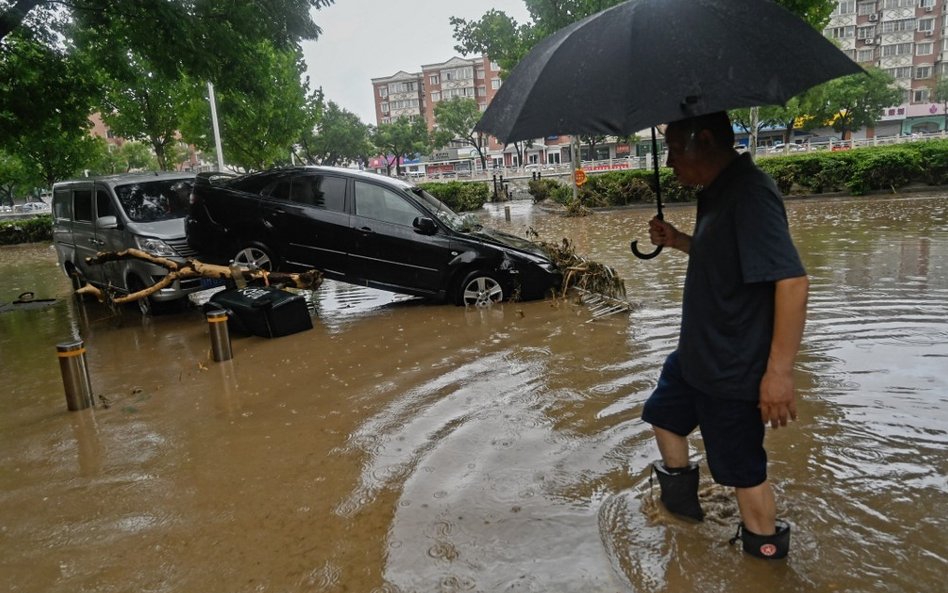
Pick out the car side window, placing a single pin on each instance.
(378, 203)
(82, 205)
(320, 191)
(62, 204)
(103, 204)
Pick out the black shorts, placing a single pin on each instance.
(732, 430)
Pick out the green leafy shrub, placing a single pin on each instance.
(542, 189)
(27, 230)
(932, 160)
(889, 168)
(458, 195)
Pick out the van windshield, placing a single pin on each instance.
(150, 201)
(442, 212)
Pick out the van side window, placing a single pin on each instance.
(103, 204)
(62, 204)
(320, 191)
(379, 203)
(82, 205)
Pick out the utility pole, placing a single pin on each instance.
(217, 129)
(754, 117)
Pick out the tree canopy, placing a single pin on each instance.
(456, 117)
(339, 138)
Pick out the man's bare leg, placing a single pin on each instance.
(673, 448)
(758, 508)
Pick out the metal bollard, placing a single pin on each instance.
(507, 212)
(220, 336)
(72, 364)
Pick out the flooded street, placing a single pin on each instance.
(402, 446)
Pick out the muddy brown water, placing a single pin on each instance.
(405, 446)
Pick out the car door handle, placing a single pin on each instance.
(366, 229)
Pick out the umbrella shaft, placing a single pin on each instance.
(658, 179)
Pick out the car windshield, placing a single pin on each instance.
(462, 224)
(151, 201)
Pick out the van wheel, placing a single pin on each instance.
(148, 306)
(480, 289)
(76, 281)
(256, 255)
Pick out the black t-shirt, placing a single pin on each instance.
(741, 246)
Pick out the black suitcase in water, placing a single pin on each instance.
(263, 311)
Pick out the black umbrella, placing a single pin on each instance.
(646, 62)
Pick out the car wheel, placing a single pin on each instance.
(480, 289)
(256, 256)
(145, 306)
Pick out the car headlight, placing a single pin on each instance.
(155, 247)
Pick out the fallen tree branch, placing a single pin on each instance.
(192, 268)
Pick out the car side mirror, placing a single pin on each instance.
(425, 225)
(107, 222)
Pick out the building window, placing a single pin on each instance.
(494, 66)
(904, 72)
(900, 25)
(435, 96)
(897, 49)
(925, 48)
(845, 7)
(384, 107)
(865, 8)
(920, 96)
(482, 91)
(495, 83)
(434, 79)
(479, 74)
(383, 91)
(888, 4)
(926, 3)
(842, 32)
(922, 72)
(926, 24)
(865, 55)
(865, 32)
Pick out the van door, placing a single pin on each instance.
(110, 237)
(310, 212)
(386, 249)
(84, 235)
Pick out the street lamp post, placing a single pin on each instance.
(217, 129)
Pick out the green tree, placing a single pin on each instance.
(14, 178)
(45, 96)
(853, 102)
(940, 95)
(457, 118)
(339, 138)
(402, 138)
(264, 109)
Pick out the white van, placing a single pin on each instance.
(144, 211)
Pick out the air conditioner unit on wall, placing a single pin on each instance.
(929, 8)
(873, 17)
(870, 40)
(929, 33)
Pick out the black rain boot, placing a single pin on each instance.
(769, 547)
(679, 489)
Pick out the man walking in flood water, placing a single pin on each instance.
(743, 313)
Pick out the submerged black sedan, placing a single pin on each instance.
(365, 229)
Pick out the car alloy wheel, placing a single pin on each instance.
(481, 290)
(254, 257)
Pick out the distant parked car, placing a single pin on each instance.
(364, 229)
(117, 212)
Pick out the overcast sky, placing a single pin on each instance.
(366, 39)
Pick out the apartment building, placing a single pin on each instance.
(415, 95)
(907, 39)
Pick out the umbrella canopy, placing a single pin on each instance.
(646, 62)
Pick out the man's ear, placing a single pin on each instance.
(705, 139)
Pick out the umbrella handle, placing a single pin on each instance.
(658, 201)
(641, 255)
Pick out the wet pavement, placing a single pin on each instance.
(406, 446)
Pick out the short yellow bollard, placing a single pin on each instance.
(220, 336)
(72, 364)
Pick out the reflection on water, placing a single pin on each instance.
(405, 446)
